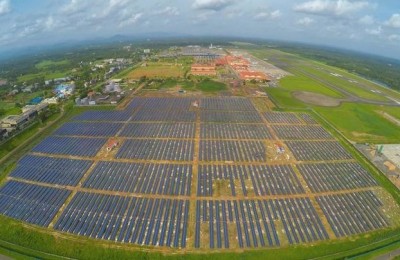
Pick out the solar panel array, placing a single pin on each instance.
(76, 146)
(142, 221)
(207, 154)
(89, 129)
(255, 222)
(353, 213)
(31, 203)
(163, 179)
(61, 171)
(265, 179)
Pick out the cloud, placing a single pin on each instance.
(331, 7)
(394, 37)
(5, 7)
(268, 15)
(394, 21)
(215, 5)
(133, 19)
(366, 20)
(169, 11)
(374, 31)
(306, 21)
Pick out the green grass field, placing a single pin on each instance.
(210, 86)
(160, 69)
(344, 84)
(300, 82)
(46, 75)
(361, 123)
(47, 64)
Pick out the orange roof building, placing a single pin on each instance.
(250, 75)
(203, 69)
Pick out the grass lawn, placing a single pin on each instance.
(46, 64)
(210, 86)
(46, 75)
(302, 83)
(158, 70)
(361, 123)
(343, 83)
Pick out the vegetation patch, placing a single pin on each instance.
(48, 64)
(316, 99)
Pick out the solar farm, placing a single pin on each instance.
(210, 173)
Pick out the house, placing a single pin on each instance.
(203, 69)
(253, 75)
(3, 133)
(112, 87)
(111, 144)
(15, 122)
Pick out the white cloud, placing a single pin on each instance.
(306, 21)
(374, 31)
(366, 20)
(268, 15)
(5, 7)
(215, 5)
(117, 3)
(394, 37)
(169, 11)
(394, 21)
(331, 7)
(133, 19)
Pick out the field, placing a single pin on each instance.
(158, 70)
(183, 178)
(45, 75)
(47, 64)
(356, 112)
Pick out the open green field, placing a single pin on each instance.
(48, 64)
(361, 123)
(300, 82)
(211, 86)
(45, 75)
(352, 88)
(358, 122)
(292, 62)
(157, 70)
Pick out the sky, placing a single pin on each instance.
(366, 26)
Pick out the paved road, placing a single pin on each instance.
(3, 257)
(389, 255)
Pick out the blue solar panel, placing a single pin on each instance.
(31, 203)
(104, 116)
(227, 103)
(89, 129)
(163, 179)
(70, 146)
(60, 171)
(127, 219)
(159, 130)
(156, 149)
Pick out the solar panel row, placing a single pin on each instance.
(77, 146)
(157, 149)
(265, 180)
(256, 222)
(143, 221)
(61, 171)
(31, 203)
(163, 179)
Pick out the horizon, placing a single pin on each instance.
(362, 26)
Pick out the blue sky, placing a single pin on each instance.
(368, 26)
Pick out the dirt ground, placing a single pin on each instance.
(316, 99)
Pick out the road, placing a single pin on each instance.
(388, 256)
